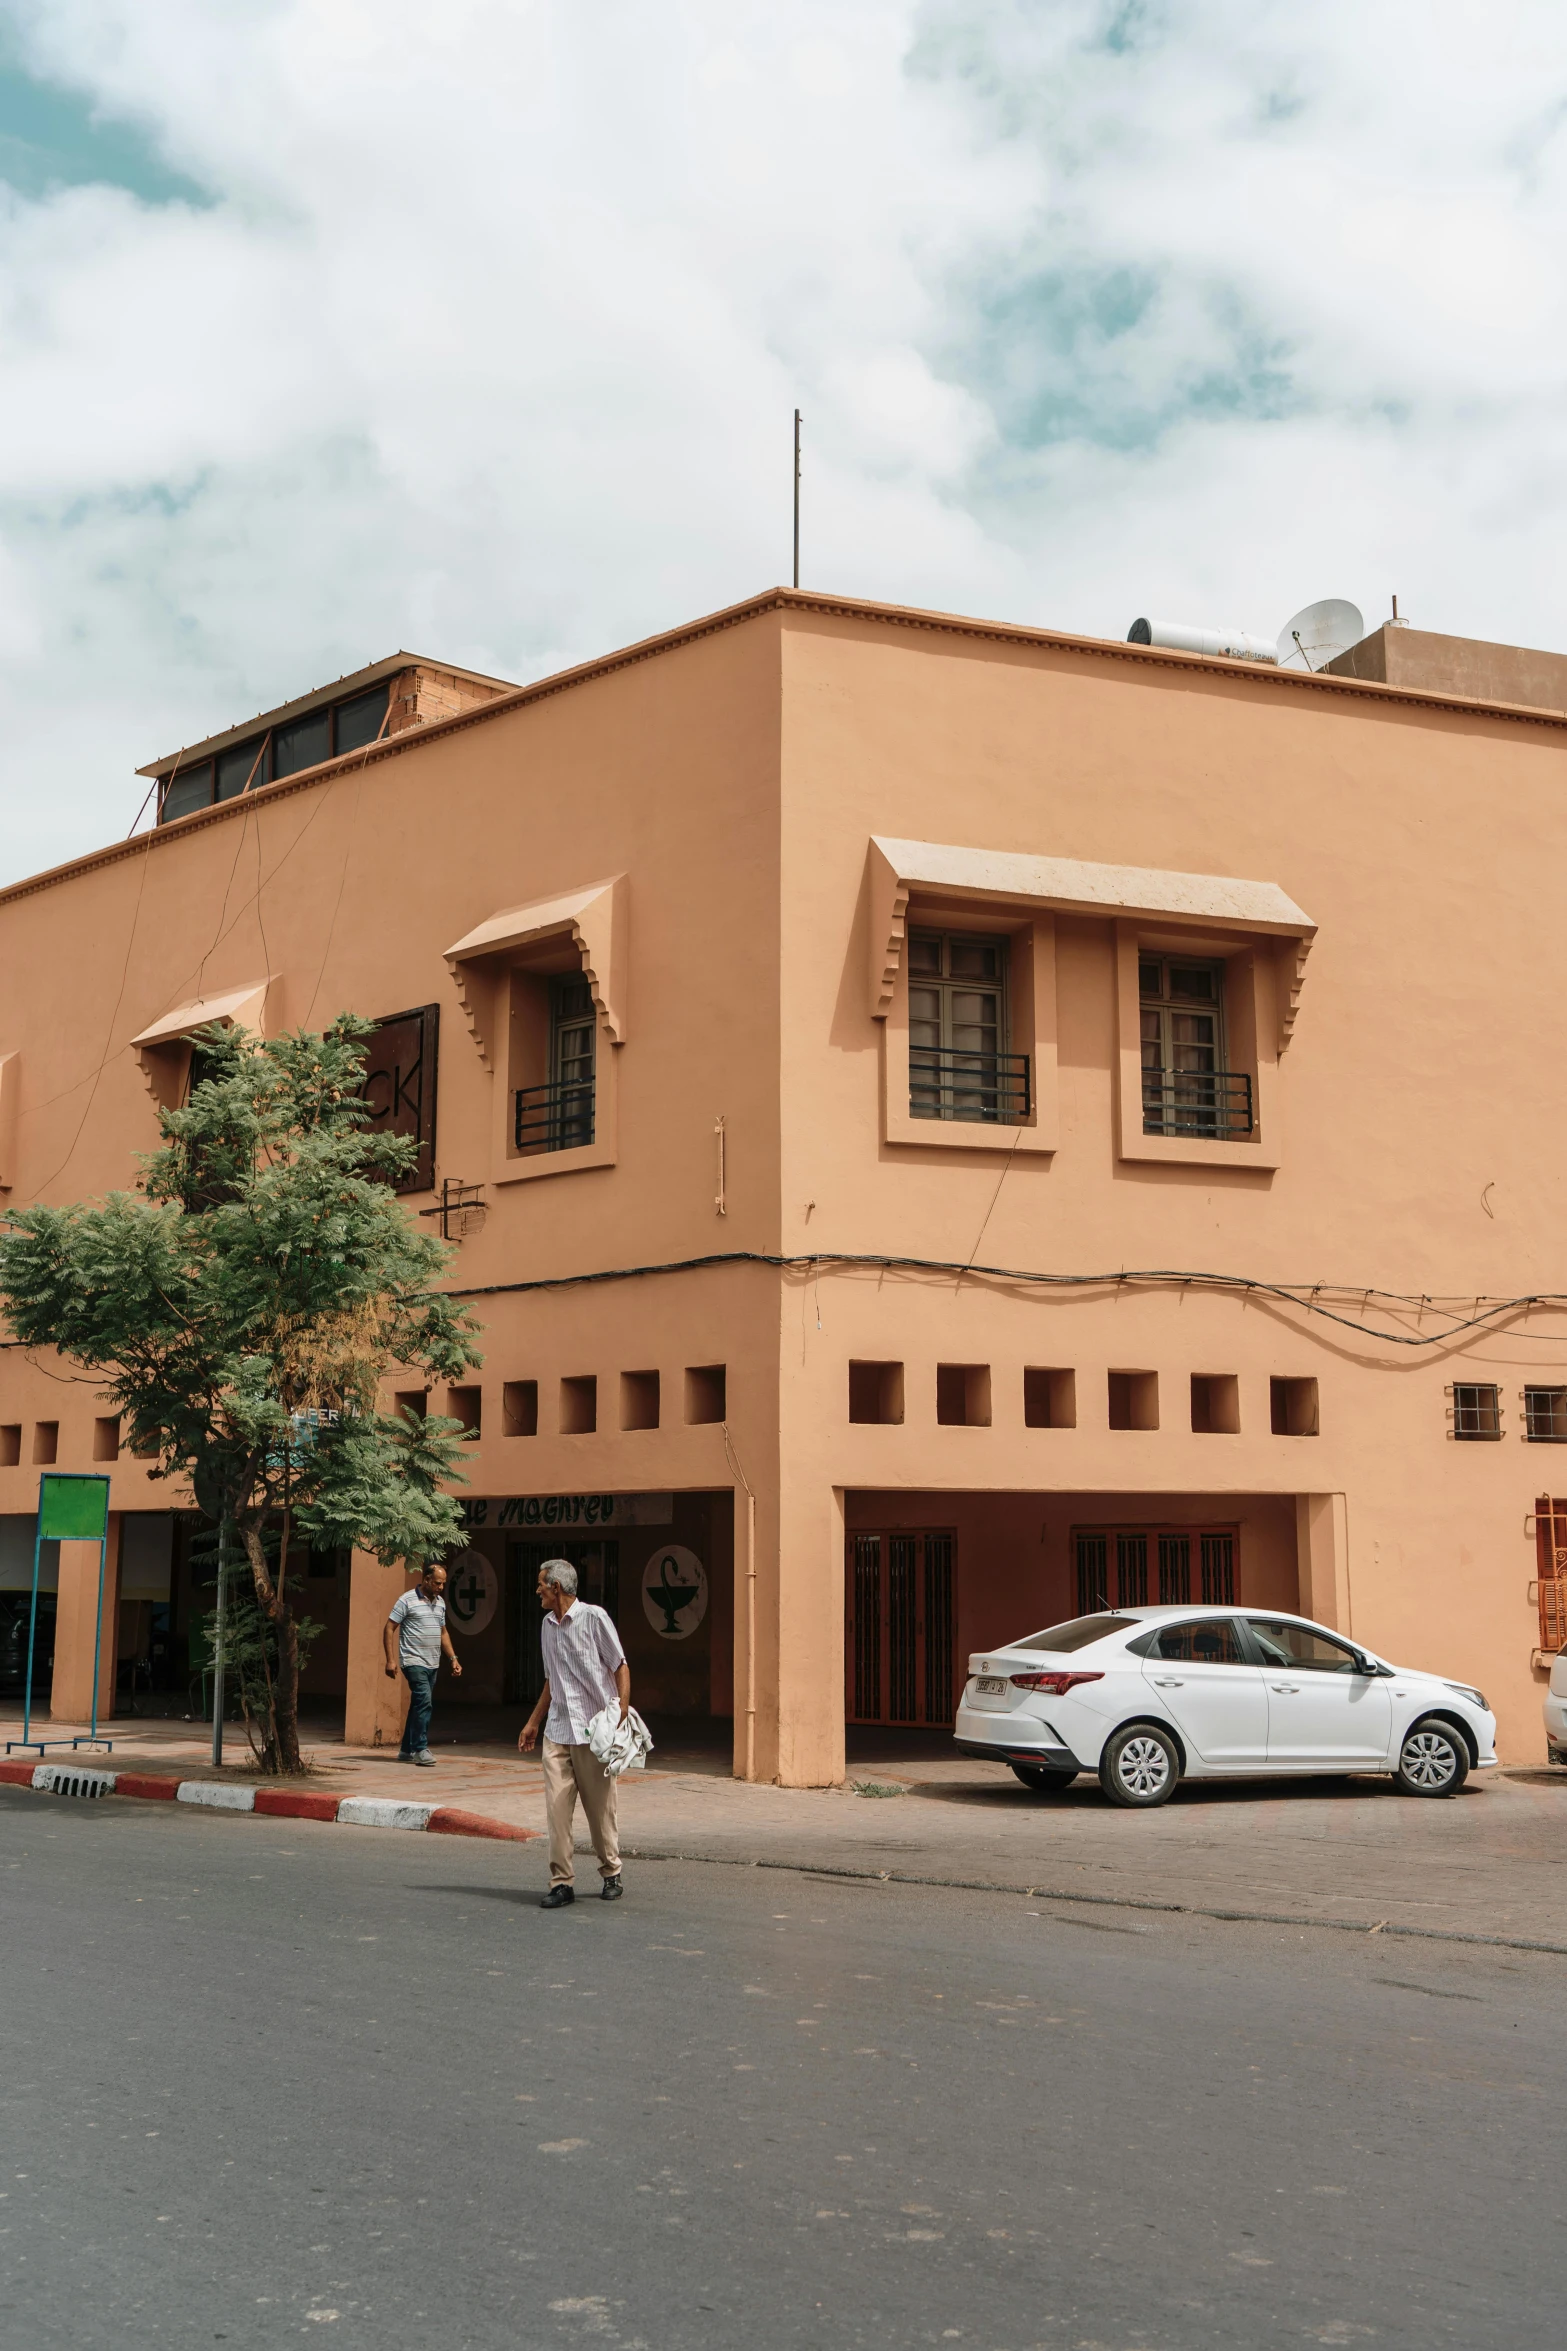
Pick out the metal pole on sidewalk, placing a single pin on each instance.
(217, 1642)
(97, 1643)
(32, 1633)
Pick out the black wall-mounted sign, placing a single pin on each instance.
(400, 1085)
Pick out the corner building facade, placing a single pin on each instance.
(945, 1125)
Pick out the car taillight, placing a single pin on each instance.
(1057, 1684)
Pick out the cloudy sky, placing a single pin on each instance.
(334, 326)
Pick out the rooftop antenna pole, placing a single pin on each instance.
(797, 497)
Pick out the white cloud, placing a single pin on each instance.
(488, 338)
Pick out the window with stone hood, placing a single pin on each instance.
(959, 1065)
(1186, 1088)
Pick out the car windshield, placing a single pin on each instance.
(1061, 1639)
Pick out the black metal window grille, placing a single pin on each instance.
(1175, 1571)
(1218, 1571)
(867, 1628)
(1186, 1088)
(959, 1066)
(1093, 1560)
(1545, 1416)
(902, 1630)
(1138, 1553)
(1477, 1411)
(1131, 1571)
(938, 1628)
(902, 1619)
(558, 1116)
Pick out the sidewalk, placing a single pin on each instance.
(1491, 1862)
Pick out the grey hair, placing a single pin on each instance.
(560, 1573)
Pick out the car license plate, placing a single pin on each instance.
(989, 1687)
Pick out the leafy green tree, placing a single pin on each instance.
(241, 1308)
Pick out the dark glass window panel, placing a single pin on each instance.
(1210, 1641)
(204, 1067)
(1150, 979)
(1192, 983)
(234, 769)
(191, 788)
(974, 959)
(1296, 1646)
(924, 1016)
(304, 743)
(359, 722)
(400, 1086)
(924, 953)
(573, 1032)
(573, 1000)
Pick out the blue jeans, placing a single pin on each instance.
(421, 1700)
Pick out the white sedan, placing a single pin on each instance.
(1150, 1696)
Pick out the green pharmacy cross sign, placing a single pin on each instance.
(71, 1509)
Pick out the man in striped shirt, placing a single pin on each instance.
(585, 1670)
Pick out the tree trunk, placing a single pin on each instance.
(286, 1695)
(287, 1691)
(282, 1733)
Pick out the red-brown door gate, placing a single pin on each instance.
(1550, 1539)
(902, 1623)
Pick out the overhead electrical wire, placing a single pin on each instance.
(1304, 1295)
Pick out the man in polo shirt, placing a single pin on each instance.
(415, 1638)
(585, 1670)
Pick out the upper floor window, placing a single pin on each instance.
(1186, 1088)
(959, 1066)
(558, 1116)
(282, 751)
(1477, 1411)
(1545, 1415)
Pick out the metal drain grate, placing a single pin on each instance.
(64, 1779)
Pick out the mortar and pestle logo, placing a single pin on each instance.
(674, 1592)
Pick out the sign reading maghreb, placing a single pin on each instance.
(568, 1510)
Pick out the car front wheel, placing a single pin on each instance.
(1140, 1766)
(1044, 1778)
(1433, 1760)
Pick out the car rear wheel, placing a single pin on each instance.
(1140, 1766)
(1433, 1760)
(1043, 1778)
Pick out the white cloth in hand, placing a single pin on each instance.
(620, 1746)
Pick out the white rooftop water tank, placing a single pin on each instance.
(1175, 636)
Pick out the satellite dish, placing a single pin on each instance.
(1318, 635)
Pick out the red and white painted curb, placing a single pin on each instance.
(360, 1812)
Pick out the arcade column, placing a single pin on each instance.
(797, 1608)
(374, 1707)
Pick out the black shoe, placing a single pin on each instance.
(557, 1898)
(611, 1890)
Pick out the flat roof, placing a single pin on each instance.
(1257, 677)
(354, 681)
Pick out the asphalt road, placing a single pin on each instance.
(265, 2082)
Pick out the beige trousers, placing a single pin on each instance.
(570, 1772)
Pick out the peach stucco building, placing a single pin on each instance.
(943, 1123)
